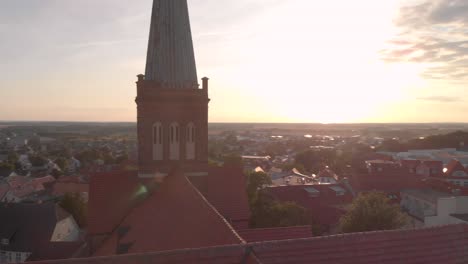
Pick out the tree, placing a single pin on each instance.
(314, 160)
(371, 212)
(121, 159)
(233, 160)
(37, 161)
(255, 182)
(56, 173)
(74, 204)
(267, 213)
(13, 157)
(62, 163)
(6, 168)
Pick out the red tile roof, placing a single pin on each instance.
(112, 196)
(454, 166)
(387, 182)
(44, 180)
(22, 187)
(446, 244)
(271, 234)
(61, 188)
(70, 179)
(410, 163)
(433, 163)
(234, 254)
(175, 216)
(16, 181)
(227, 192)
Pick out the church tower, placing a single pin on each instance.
(172, 109)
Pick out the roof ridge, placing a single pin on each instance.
(155, 253)
(215, 211)
(349, 235)
(275, 228)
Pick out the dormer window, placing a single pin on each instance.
(312, 192)
(338, 190)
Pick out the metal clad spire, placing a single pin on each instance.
(171, 58)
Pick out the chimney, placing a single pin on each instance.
(205, 83)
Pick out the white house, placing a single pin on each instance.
(450, 210)
(421, 203)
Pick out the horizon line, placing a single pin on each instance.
(240, 122)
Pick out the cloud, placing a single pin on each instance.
(435, 34)
(440, 99)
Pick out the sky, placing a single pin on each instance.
(306, 61)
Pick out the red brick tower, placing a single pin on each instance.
(172, 109)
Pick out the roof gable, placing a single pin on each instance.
(453, 167)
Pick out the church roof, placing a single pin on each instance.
(111, 197)
(445, 244)
(175, 216)
(227, 191)
(171, 58)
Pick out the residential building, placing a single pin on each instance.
(33, 231)
(456, 173)
(421, 203)
(327, 176)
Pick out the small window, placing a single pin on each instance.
(157, 134)
(160, 134)
(5, 241)
(190, 137)
(172, 134)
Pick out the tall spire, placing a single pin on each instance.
(171, 58)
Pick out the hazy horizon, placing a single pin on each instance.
(269, 61)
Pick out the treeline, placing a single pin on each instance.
(456, 140)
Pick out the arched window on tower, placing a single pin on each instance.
(158, 141)
(174, 142)
(190, 142)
